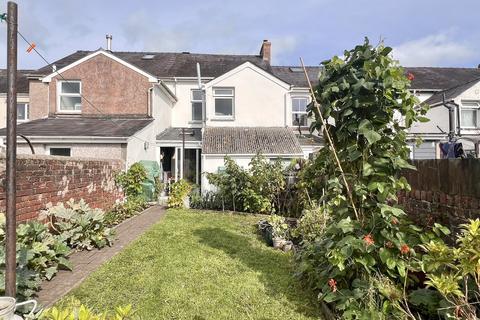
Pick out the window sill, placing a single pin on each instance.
(222, 119)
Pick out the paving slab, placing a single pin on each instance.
(85, 262)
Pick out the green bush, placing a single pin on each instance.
(256, 189)
(131, 180)
(39, 256)
(364, 260)
(209, 200)
(124, 210)
(80, 226)
(179, 191)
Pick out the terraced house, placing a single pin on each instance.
(187, 111)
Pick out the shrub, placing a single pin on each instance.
(209, 200)
(124, 210)
(179, 191)
(364, 260)
(256, 189)
(39, 256)
(455, 273)
(80, 226)
(131, 180)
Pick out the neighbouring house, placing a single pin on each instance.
(154, 106)
(23, 98)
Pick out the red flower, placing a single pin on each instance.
(368, 239)
(405, 249)
(332, 284)
(410, 76)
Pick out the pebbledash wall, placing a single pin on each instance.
(46, 180)
(446, 191)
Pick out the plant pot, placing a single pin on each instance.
(186, 203)
(287, 246)
(278, 243)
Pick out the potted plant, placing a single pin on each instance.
(279, 230)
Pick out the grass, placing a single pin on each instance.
(200, 265)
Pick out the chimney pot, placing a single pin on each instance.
(266, 51)
(109, 42)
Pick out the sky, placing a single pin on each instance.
(422, 32)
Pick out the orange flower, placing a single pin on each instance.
(410, 76)
(368, 239)
(332, 284)
(394, 220)
(405, 249)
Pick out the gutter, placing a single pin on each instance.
(73, 139)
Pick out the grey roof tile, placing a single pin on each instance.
(451, 93)
(22, 81)
(81, 127)
(250, 140)
(175, 134)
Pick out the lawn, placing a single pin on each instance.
(200, 265)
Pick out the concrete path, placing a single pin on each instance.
(85, 262)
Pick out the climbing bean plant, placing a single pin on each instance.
(362, 262)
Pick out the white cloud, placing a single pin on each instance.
(434, 50)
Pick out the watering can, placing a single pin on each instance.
(8, 305)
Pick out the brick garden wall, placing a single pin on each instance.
(45, 180)
(443, 190)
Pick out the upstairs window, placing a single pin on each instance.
(299, 111)
(197, 105)
(22, 112)
(224, 103)
(70, 96)
(469, 114)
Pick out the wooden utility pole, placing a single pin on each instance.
(11, 221)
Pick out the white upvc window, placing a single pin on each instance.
(197, 105)
(22, 112)
(69, 95)
(469, 113)
(299, 111)
(224, 103)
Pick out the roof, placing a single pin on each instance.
(22, 81)
(175, 134)
(170, 64)
(294, 75)
(441, 78)
(250, 140)
(309, 139)
(81, 127)
(451, 93)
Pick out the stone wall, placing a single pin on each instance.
(46, 180)
(443, 190)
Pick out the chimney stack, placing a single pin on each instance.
(109, 42)
(266, 51)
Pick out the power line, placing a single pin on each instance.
(31, 45)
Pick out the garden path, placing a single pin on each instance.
(85, 262)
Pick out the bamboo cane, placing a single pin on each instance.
(329, 138)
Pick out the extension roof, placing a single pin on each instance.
(22, 81)
(250, 140)
(81, 127)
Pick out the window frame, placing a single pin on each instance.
(60, 94)
(27, 112)
(192, 101)
(300, 112)
(48, 152)
(476, 109)
(223, 96)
